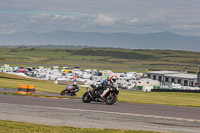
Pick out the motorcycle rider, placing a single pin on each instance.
(109, 82)
(102, 87)
(76, 88)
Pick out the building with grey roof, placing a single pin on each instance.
(173, 77)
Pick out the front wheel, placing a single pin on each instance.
(62, 92)
(86, 98)
(111, 99)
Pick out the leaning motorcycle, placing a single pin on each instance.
(70, 90)
(109, 95)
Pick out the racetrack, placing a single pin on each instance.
(73, 112)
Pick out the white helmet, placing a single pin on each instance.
(113, 79)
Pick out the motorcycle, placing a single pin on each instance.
(70, 90)
(109, 95)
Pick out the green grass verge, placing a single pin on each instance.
(21, 127)
(162, 98)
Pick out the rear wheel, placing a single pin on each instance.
(62, 92)
(111, 99)
(86, 98)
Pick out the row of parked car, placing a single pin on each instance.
(88, 76)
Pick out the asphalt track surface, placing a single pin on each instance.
(73, 112)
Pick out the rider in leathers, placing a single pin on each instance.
(102, 87)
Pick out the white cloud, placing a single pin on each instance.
(104, 20)
(59, 17)
(48, 18)
(134, 20)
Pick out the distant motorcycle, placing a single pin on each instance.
(109, 95)
(70, 90)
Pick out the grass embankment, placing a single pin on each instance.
(12, 81)
(163, 98)
(110, 58)
(21, 127)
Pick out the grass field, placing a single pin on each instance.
(163, 98)
(111, 58)
(21, 127)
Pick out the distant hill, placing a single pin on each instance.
(161, 40)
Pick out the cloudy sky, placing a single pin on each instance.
(133, 16)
